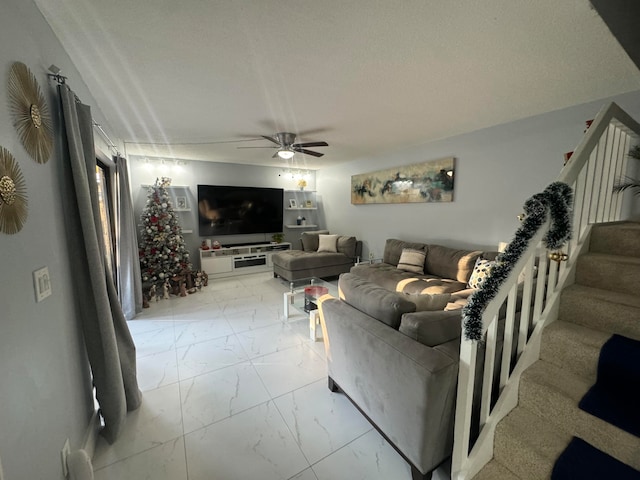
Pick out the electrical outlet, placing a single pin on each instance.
(66, 450)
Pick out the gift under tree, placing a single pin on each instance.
(163, 254)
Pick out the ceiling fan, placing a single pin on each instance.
(286, 147)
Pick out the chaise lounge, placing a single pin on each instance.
(322, 255)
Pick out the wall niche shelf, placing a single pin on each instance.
(300, 204)
(170, 187)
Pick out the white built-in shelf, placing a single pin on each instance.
(302, 208)
(169, 187)
(301, 226)
(299, 191)
(181, 209)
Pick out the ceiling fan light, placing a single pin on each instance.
(286, 154)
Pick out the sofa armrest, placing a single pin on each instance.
(358, 251)
(407, 389)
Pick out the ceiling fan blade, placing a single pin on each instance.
(307, 152)
(256, 147)
(310, 144)
(275, 155)
(271, 139)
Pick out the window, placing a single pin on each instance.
(105, 201)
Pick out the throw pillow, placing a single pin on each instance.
(328, 243)
(426, 302)
(412, 260)
(480, 272)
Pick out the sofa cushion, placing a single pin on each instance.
(426, 302)
(347, 245)
(310, 240)
(412, 260)
(328, 243)
(393, 250)
(450, 263)
(296, 260)
(480, 272)
(374, 300)
(432, 328)
(428, 284)
(389, 277)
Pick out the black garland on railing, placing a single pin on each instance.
(557, 200)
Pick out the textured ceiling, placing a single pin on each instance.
(367, 76)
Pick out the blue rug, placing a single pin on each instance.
(615, 397)
(583, 461)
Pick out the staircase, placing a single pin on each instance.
(604, 300)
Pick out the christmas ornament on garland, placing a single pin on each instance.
(162, 250)
(556, 200)
(30, 113)
(13, 195)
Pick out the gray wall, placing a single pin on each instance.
(45, 385)
(497, 169)
(193, 173)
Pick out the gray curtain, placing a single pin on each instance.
(109, 345)
(129, 278)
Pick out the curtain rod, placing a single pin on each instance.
(62, 80)
(110, 144)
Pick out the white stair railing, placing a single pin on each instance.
(489, 371)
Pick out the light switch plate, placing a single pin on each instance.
(42, 283)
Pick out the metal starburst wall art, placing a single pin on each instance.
(30, 113)
(13, 194)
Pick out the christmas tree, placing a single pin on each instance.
(162, 250)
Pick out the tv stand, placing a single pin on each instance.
(239, 259)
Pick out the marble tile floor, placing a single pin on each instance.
(232, 390)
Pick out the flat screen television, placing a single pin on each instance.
(227, 210)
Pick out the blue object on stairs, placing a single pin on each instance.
(584, 461)
(615, 397)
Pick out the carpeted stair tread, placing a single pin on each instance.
(603, 310)
(621, 238)
(554, 394)
(609, 272)
(573, 347)
(527, 445)
(494, 470)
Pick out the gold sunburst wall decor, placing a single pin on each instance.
(13, 194)
(30, 113)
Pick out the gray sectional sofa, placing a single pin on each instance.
(398, 365)
(309, 262)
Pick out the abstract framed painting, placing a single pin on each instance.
(425, 182)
